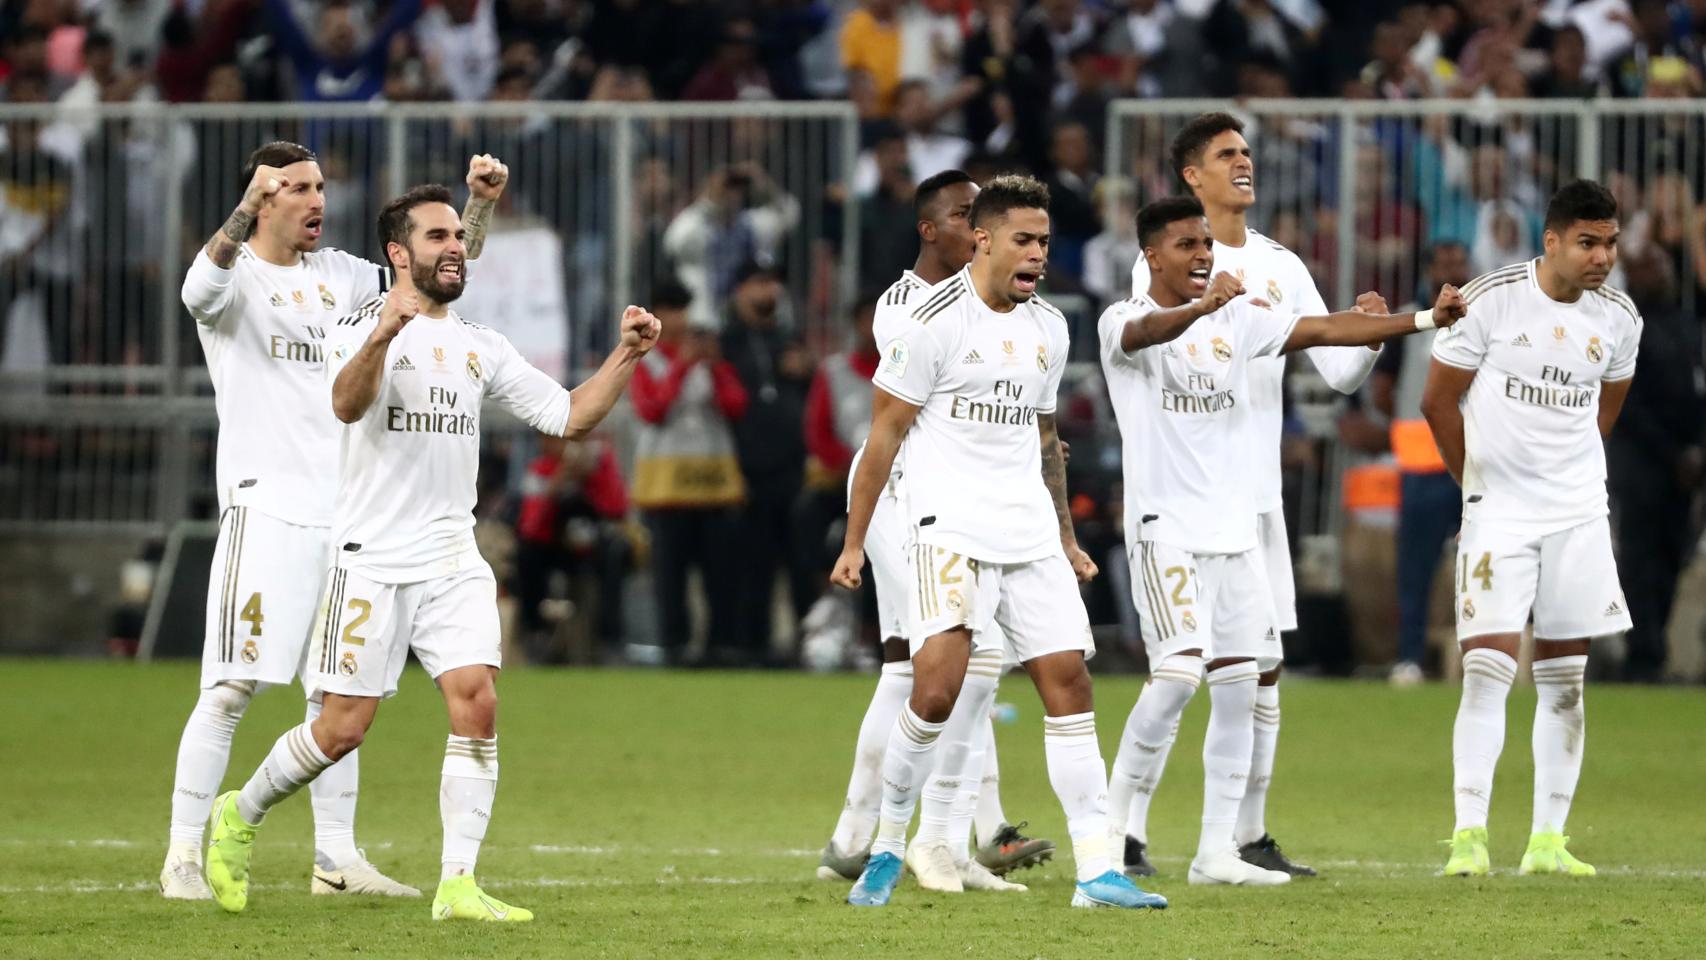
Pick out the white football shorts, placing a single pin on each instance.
(1567, 579)
(885, 547)
(360, 648)
(1022, 610)
(263, 593)
(1275, 549)
(1218, 603)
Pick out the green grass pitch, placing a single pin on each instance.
(675, 815)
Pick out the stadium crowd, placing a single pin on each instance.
(938, 84)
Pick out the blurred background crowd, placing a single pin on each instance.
(740, 235)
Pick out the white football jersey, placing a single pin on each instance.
(974, 481)
(1533, 453)
(1184, 409)
(263, 328)
(886, 324)
(407, 468)
(1276, 275)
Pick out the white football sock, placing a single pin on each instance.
(1226, 754)
(333, 795)
(1148, 737)
(1479, 734)
(966, 724)
(203, 753)
(466, 789)
(865, 786)
(1080, 782)
(1252, 813)
(989, 818)
(906, 764)
(1560, 734)
(294, 761)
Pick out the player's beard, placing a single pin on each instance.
(426, 280)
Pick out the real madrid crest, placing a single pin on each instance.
(250, 653)
(955, 600)
(1189, 622)
(1042, 358)
(326, 299)
(473, 368)
(1275, 294)
(1468, 609)
(1596, 353)
(346, 666)
(1222, 350)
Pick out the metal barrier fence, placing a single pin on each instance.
(1361, 191)
(107, 419)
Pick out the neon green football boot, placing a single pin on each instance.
(1546, 854)
(1469, 854)
(229, 844)
(460, 898)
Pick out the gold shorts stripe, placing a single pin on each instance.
(1157, 597)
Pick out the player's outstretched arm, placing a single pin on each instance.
(1356, 329)
(487, 176)
(591, 402)
(1442, 398)
(1169, 324)
(357, 384)
(891, 417)
(222, 247)
(1054, 478)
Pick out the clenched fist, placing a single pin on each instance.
(1373, 303)
(400, 307)
(849, 568)
(1221, 291)
(486, 177)
(263, 186)
(1450, 307)
(640, 330)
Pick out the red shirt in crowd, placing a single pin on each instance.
(603, 489)
(654, 395)
(822, 440)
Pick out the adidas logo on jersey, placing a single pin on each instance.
(1521, 341)
(402, 364)
(972, 357)
(1615, 610)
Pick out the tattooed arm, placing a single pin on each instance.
(223, 245)
(486, 179)
(1054, 477)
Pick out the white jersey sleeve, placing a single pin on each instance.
(912, 363)
(1344, 368)
(1464, 343)
(525, 390)
(209, 289)
(1622, 365)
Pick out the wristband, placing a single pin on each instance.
(1425, 319)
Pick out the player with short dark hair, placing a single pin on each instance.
(264, 296)
(408, 378)
(1520, 397)
(1176, 359)
(969, 382)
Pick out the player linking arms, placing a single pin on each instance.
(1540, 368)
(1177, 362)
(410, 378)
(264, 295)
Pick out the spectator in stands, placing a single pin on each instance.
(35, 223)
(1566, 68)
(1655, 39)
(1009, 83)
(1109, 255)
(1506, 231)
(870, 51)
(459, 41)
(788, 33)
(734, 72)
(930, 42)
(102, 81)
(1392, 75)
(1073, 217)
(193, 48)
(741, 216)
(1146, 35)
(1656, 458)
(1091, 93)
(337, 64)
(1430, 504)
(687, 479)
(888, 227)
(573, 502)
(928, 151)
(134, 26)
(1067, 25)
(26, 56)
(776, 370)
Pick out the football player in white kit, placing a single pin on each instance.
(1211, 157)
(961, 788)
(1520, 397)
(969, 384)
(408, 378)
(1177, 363)
(264, 297)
